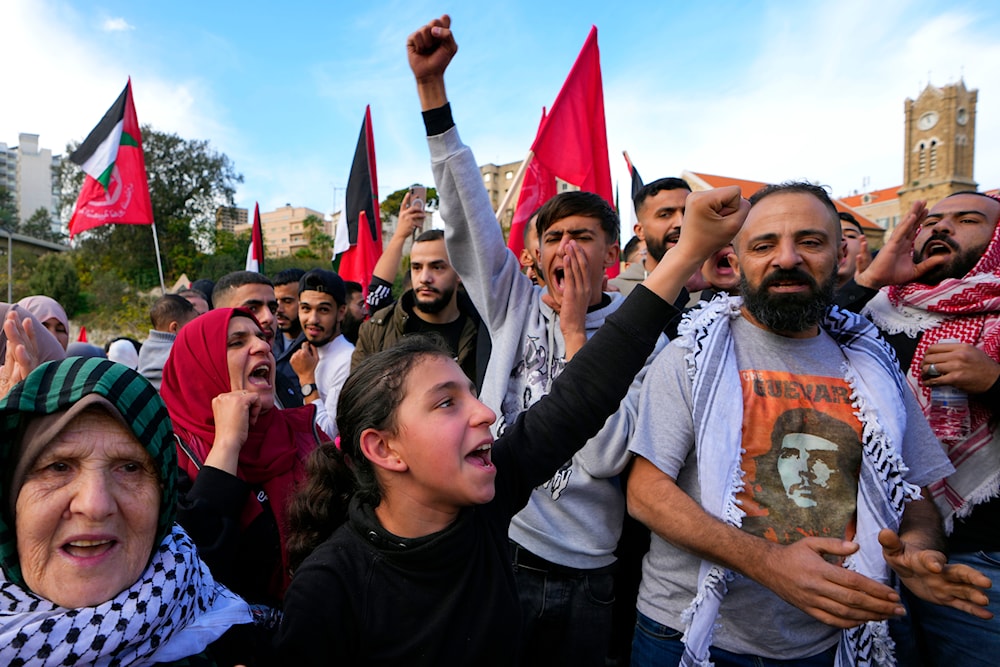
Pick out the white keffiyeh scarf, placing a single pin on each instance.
(876, 385)
(175, 610)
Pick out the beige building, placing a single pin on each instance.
(28, 172)
(228, 218)
(939, 144)
(499, 178)
(283, 229)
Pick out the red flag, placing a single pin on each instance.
(115, 190)
(538, 186)
(255, 253)
(82, 338)
(361, 211)
(572, 142)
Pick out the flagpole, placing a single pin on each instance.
(159, 266)
(513, 186)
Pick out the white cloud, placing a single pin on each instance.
(116, 25)
(822, 99)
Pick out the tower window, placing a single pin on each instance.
(934, 155)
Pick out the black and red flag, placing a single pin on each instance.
(359, 233)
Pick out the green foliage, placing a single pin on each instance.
(188, 181)
(8, 209)
(320, 243)
(55, 275)
(390, 207)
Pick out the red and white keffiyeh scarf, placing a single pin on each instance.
(967, 310)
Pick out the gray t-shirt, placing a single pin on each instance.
(801, 477)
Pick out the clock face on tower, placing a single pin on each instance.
(927, 120)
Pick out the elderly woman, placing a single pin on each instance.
(50, 314)
(243, 456)
(92, 568)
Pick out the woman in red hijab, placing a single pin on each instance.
(242, 454)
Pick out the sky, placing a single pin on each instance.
(766, 91)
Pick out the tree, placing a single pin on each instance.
(55, 275)
(8, 209)
(320, 243)
(390, 207)
(188, 181)
(39, 226)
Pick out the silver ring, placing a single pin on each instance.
(932, 371)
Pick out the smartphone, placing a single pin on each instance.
(418, 198)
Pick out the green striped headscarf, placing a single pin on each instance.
(54, 387)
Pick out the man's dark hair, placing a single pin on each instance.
(191, 292)
(206, 287)
(584, 204)
(430, 235)
(657, 186)
(170, 308)
(351, 288)
(850, 219)
(286, 276)
(631, 247)
(803, 187)
(236, 280)
(528, 227)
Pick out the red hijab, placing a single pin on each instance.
(273, 456)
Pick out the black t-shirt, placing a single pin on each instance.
(451, 332)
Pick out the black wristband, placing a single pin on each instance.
(439, 120)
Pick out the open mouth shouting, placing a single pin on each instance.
(260, 375)
(481, 456)
(939, 246)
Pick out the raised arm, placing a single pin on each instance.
(410, 220)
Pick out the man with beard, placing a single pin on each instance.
(289, 337)
(726, 577)
(934, 292)
(659, 209)
(323, 361)
(355, 313)
(435, 304)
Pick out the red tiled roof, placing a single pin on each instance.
(872, 197)
(747, 188)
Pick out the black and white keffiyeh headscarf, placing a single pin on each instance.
(175, 609)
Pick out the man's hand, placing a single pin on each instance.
(429, 50)
(830, 593)
(893, 265)
(410, 220)
(927, 574)
(304, 361)
(864, 258)
(711, 220)
(22, 351)
(959, 365)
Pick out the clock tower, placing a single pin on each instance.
(939, 142)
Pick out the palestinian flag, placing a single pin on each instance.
(359, 233)
(255, 253)
(627, 211)
(115, 190)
